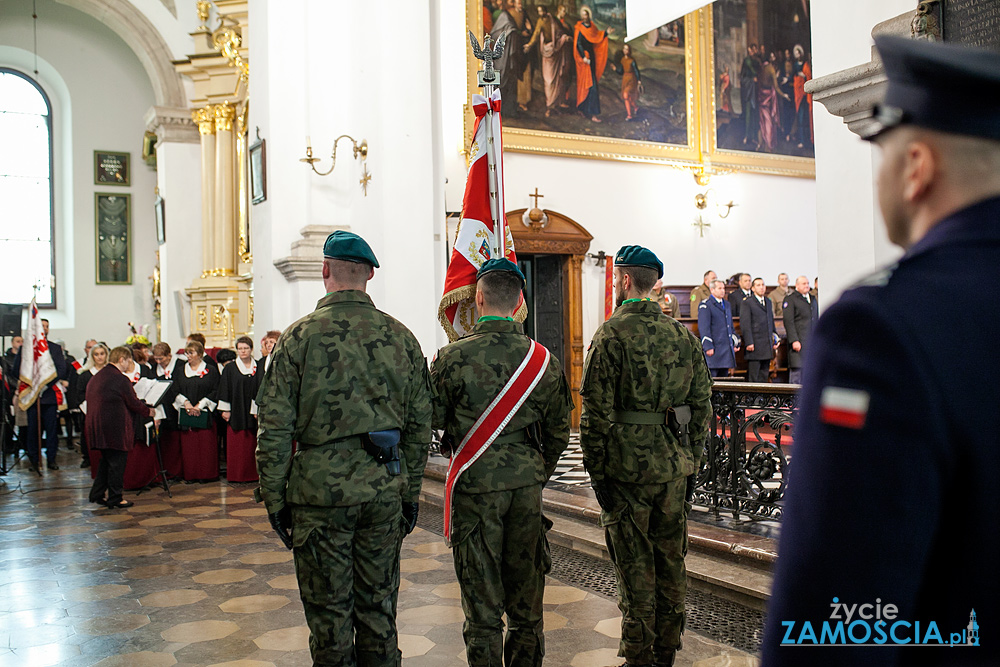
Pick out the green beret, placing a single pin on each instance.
(348, 247)
(636, 255)
(502, 264)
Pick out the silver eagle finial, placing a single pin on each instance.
(488, 53)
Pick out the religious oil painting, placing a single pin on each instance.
(114, 238)
(762, 55)
(572, 85)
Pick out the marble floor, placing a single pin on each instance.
(199, 579)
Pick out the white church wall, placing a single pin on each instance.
(851, 237)
(107, 94)
(323, 84)
(773, 228)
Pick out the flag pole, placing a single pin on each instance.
(38, 403)
(489, 81)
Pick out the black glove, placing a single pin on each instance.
(689, 492)
(409, 517)
(281, 521)
(603, 497)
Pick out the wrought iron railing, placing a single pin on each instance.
(744, 470)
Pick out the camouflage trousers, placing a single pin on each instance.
(647, 541)
(348, 573)
(501, 559)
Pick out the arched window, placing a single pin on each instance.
(27, 253)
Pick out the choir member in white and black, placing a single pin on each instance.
(140, 355)
(266, 345)
(195, 390)
(170, 436)
(96, 360)
(141, 467)
(237, 389)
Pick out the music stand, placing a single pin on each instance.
(154, 433)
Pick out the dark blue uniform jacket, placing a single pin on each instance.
(903, 509)
(715, 327)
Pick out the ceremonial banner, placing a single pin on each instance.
(475, 239)
(492, 422)
(37, 369)
(609, 287)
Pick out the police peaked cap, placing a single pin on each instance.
(636, 255)
(501, 264)
(942, 87)
(348, 247)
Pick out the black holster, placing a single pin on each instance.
(679, 419)
(383, 446)
(533, 435)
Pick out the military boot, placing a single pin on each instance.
(666, 661)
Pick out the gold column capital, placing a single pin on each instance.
(205, 118)
(224, 115)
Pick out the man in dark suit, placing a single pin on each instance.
(800, 312)
(759, 337)
(894, 494)
(715, 327)
(49, 403)
(737, 296)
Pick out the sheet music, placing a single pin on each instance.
(151, 391)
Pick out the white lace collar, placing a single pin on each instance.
(195, 372)
(246, 370)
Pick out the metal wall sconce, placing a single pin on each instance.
(703, 199)
(360, 150)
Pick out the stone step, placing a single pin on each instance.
(717, 560)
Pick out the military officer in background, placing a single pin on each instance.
(497, 531)
(715, 326)
(778, 294)
(894, 494)
(666, 300)
(646, 410)
(701, 292)
(800, 311)
(349, 385)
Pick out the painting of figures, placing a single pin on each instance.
(762, 54)
(567, 69)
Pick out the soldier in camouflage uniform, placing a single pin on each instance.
(498, 531)
(640, 366)
(339, 373)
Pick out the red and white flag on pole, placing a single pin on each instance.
(475, 239)
(37, 369)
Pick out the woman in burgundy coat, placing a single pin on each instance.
(111, 404)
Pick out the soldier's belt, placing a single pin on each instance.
(511, 438)
(350, 442)
(642, 418)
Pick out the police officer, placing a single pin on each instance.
(497, 529)
(646, 409)
(715, 326)
(347, 382)
(799, 312)
(894, 492)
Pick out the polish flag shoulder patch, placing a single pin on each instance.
(843, 407)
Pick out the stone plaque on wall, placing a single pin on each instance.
(972, 22)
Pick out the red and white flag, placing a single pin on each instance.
(37, 369)
(848, 408)
(475, 239)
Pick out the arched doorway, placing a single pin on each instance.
(551, 254)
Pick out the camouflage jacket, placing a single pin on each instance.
(344, 369)
(642, 361)
(465, 378)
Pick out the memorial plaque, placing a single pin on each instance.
(972, 22)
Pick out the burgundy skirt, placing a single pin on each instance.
(200, 451)
(141, 467)
(170, 450)
(241, 460)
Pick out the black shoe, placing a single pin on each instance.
(122, 505)
(53, 466)
(85, 464)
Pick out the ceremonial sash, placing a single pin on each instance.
(492, 422)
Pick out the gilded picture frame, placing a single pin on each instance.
(700, 154)
(112, 168)
(113, 238)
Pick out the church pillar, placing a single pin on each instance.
(223, 228)
(206, 129)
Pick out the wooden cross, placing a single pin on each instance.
(700, 223)
(536, 196)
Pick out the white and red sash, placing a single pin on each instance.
(492, 422)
